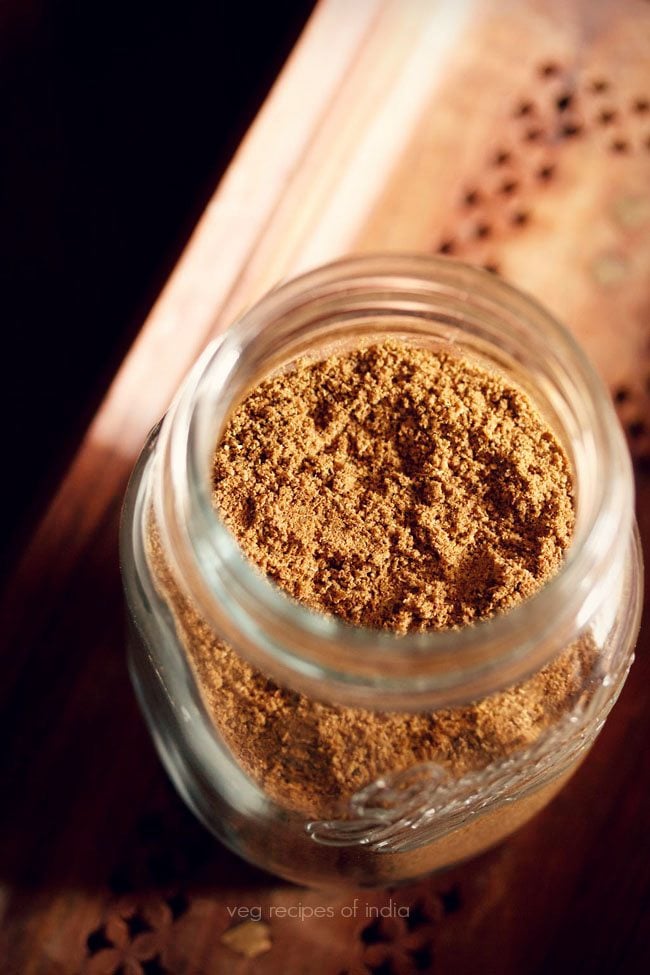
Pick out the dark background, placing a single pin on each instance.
(117, 120)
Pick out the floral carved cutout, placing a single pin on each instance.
(134, 940)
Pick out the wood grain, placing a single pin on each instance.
(385, 121)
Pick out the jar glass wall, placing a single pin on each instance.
(192, 596)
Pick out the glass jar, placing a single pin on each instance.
(191, 592)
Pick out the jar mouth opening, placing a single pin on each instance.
(299, 646)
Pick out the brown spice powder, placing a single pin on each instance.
(396, 488)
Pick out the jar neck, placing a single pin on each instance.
(428, 302)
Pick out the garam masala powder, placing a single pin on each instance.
(397, 488)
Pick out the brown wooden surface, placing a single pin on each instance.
(393, 126)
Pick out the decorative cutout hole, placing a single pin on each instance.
(607, 116)
(97, 941)
(641, 106)
(451, 900)
(178, 904)
(383, 968)
(570, 130)
(637, 429)
(492, 267)
(153, 967)
(502, 157)
(482, 230)
(137, 924)
(619, 146)
(508, 187)
(550, 69)
(546, 173)
(564, 101)
(417, 917)
(599, 85)
(621, 395)
(524, 109)
(422, 958)
(533, 135)
(447, 247)
(471, 198)
(520, 218)
(374, 933)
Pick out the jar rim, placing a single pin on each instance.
(308, 650)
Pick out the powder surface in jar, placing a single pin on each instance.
(397, 488)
